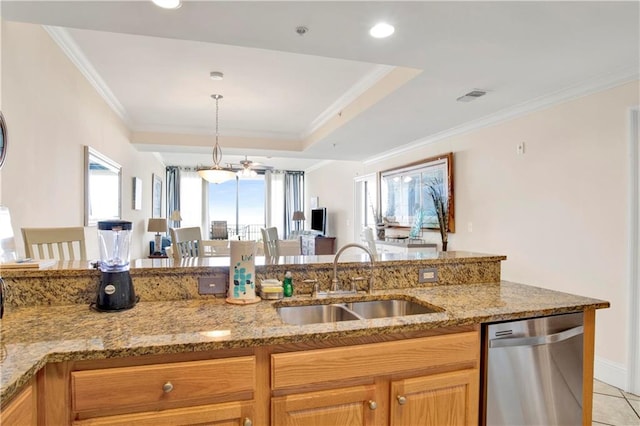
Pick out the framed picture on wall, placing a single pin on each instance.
(137, 193)
(156, 196)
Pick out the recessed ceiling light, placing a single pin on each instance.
(381, 30)
(168, 4)
(216, 75)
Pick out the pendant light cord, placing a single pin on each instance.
(217, 151)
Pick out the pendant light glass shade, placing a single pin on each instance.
(216, 174)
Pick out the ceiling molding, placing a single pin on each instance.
(583, 89)
(73, 52)
(361, 86)
(318, 165)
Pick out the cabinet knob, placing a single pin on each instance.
(373, 405)
(167, 387)
(401, 400)
(247, 422)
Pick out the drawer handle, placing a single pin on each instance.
(167, 387)
(373, 405)
(247, 422)
(402, 400)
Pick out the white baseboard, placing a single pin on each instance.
(611, 373)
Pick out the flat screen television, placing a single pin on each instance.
(319, 220)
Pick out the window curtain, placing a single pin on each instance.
(173, 193)
(294, 198)
(191, 199)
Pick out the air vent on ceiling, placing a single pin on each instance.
(474, 94)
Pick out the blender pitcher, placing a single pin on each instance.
(116, 291)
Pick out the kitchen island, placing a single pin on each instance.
(60, 348)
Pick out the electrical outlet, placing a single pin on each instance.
(215, 284)
(428, 275)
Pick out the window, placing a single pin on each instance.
(239, 202)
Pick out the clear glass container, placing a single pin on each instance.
(114, 239)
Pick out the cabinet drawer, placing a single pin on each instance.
(162, 386)
(349, 362)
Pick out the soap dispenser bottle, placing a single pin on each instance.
(287, 284)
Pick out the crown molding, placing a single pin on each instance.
(595, 85)
(74, 53)
(318, 165)
(365, 83)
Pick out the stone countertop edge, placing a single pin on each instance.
(35, 336)
(205, 264)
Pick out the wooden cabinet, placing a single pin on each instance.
(22, 409)
(423, 381)
(316, 245)
(427, 377)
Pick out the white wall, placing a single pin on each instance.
(559, 212)
(52, 112)
(333, 185)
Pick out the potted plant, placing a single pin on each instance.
(435, 189)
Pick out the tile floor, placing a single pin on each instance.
(611, 406)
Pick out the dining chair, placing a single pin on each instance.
(64, 243)
(186, 242)
(290, 247)
(270, 241)
(219, 230)
(214, 248)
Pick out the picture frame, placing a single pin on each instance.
(156, 196)
(137, 193)
(3, 139)
(404, 194)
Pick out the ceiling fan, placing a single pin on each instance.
(248, 168)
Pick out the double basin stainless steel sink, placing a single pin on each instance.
(348, 311)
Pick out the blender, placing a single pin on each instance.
(115, 292)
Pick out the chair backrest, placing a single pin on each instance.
(7, 241)
(214, 248)
(289, 247)
(219, 230)
(367, 237)
(185, 241)
(270, 241)
(55, 243)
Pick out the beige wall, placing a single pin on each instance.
(333, 185)
(559, 212)
(52, 112)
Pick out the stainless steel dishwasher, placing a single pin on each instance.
(534, 371)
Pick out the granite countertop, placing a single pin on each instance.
(406, 242)
(195, 264)
(35, 335)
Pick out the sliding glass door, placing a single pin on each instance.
(239, 202)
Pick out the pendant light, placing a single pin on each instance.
(216, 174)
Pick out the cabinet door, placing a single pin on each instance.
(21, 411)
(439, 400)
(227, 414)
(347, 406)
